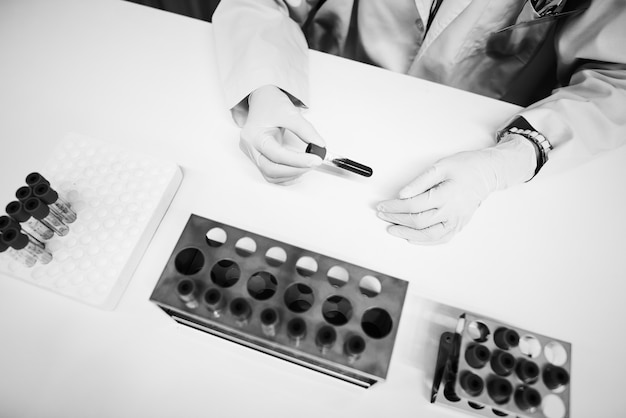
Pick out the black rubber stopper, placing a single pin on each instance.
(471, 383)
(46, 193)
(499, 389)
(502, 362)
(36, 208)
(34, 178)
(23, 193)
(16, 211)
(527, 371)
(506, 338)
(555, 377)
(477, 355)
(240, 308)
(14, 238)
(296, 328)
(354, 346)
(8, 222)
(527, 398)
(317, 150)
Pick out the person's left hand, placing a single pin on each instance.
(440, 202)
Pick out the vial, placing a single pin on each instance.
(29, 224)
(186, 290)
(21, 243)
(325, 338)
(8, 222)
(39, 210)
(19, 256)
(57, 204)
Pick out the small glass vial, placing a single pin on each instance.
(40, 211)
(269, 321)
(21, 243)
(57, 204)
(21, 257)
(296, 330)
(29, 224)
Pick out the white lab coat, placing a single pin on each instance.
(260, 42)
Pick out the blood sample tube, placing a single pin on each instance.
(20, 256)
(39, 210)
(20, 242)
(29, 224)
(57, 204)
(8, 222)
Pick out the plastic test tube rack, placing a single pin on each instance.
(493, 369)
(119, 197)
(328, 315)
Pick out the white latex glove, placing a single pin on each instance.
(262, 136)
(441, 201)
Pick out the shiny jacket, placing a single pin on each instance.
(568, 67)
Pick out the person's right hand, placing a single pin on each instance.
(262, 136)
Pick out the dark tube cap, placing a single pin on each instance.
(23, 193)
(8, 222)
(317, 150)
(15, 238)
(16, 211)
(34, 178)
(36, 208)
(45, 193)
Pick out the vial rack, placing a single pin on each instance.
(120, 197)
(493, 369)
(316, 311)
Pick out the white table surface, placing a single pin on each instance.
(547, 256)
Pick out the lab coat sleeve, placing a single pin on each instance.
(587, 115)
(260, 42)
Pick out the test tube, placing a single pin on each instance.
(186, 290)
(20, 242)
(29, 224)
(20, 256)
(34, 178)
(8, 222)
(338, 161)
(39, 210)
(57, 204)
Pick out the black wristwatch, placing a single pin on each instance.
(520, 126)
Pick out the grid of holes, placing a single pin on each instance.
(298, 297)
(524, 368)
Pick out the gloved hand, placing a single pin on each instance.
(441, 201)
(262, 136)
